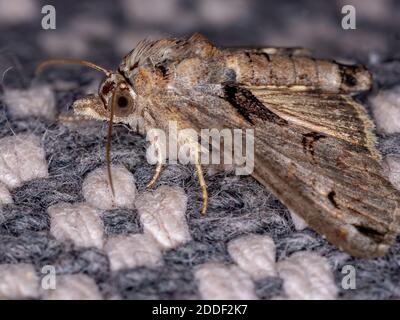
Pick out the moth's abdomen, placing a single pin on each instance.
(296, 72)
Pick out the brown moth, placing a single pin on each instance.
(314, 145)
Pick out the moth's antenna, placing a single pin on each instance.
(46, 63)
(108, 144)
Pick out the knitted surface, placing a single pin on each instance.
(237, 205)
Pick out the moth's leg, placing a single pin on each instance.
(203, 187)
(157, 173)
(202, 183)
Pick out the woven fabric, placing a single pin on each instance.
(237, 206)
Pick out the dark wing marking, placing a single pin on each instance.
(248, 105)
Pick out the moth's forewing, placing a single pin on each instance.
(332, 114)
(334, 183)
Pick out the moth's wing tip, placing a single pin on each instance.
(360, 245)
(370, 253)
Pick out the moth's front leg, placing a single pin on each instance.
(202, 183)
(159, 165)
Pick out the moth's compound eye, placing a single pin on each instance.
(115, 90)
(124, 103)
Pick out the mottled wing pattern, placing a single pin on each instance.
(328, 172)
(330, 176)
(332, 114)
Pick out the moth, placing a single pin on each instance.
(314, 145)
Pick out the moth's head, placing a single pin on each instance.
(115, 100)
(114, 90)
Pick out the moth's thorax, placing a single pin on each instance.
(167, 63)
